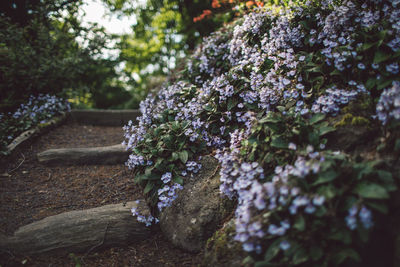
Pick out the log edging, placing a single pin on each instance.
(102, 117)
(28, 136)
(80, 156)
(80, 231)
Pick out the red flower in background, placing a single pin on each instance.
(215, 4)
(249, 4)
(206, 13)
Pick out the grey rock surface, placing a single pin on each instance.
(198, 211)
(222, 250)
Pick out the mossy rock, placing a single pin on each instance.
(222, 250)
(198, 211)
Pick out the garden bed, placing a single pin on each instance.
(33, 191)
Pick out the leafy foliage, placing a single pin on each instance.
(39, 54)
(264, 94)
(37, 111)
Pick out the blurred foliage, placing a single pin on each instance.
(163, 34)
(44, 49)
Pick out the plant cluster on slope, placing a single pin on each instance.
(265, 94)
(38, 110)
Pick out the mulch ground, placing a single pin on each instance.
(33, 191)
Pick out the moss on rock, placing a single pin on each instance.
(222, 250)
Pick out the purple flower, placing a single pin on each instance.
(284, 245)
(166, 177)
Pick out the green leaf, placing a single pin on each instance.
(148, 187)
(279, 142)
(183, 156)
(175, 156)
(329, 191)
(370, 190)
(384, 84)
(281, 108)
(325, 130)
(325, 177)
(367, 46)
(139, 178)
(371, 82)
(300, 223)
(345, 254)
(232, 102)
(208, 108)
(158, 162)
(178, 179)
(317, 117)
(300, 256)
(381, 56)
(275, 127)
(272, 250)
(313, 138)
(269, 119)
(378, 207)
(148, 170)
(336, 72)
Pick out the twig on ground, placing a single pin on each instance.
(118, 173)
(19, 165)
(48, 179)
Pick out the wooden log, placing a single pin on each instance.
(79, 231)
(27, 136)
(79, 156)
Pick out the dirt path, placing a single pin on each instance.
(35, 191)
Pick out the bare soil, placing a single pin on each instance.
(33, 191)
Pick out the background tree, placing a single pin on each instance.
(44, 49)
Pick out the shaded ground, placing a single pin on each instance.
(34, 191)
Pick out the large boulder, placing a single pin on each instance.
(198, 211)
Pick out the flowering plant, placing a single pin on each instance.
(38, 110)
(265, 94)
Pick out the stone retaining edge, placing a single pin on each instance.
(103, 117)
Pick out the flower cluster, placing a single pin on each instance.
(388, 106)
(333, 99)
(364, 214)
(296, 62)
(167, 194)
(38, 110)
(148, 220)
(41, 108)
